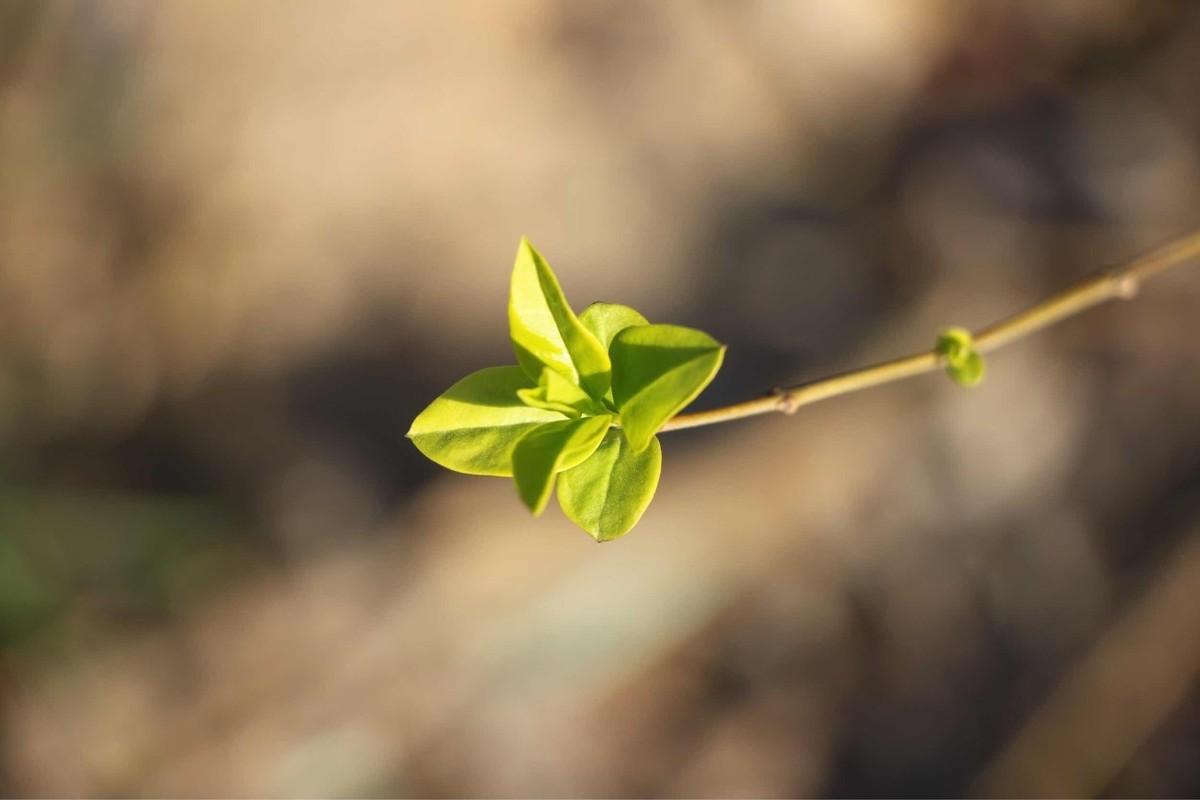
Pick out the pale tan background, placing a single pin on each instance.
(242, 244)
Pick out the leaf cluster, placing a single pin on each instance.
(582, 406)
(963, 362)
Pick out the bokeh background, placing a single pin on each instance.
(243, 244)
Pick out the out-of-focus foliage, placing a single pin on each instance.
(963, 363)
(152, 555)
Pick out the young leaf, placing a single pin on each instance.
(658, 370)
(556, 393)
(607, 493)
(549, 449)
(475, 424)
(544, 330)
(969, 371)
(963, 363)
(606, 320)
(954, 344)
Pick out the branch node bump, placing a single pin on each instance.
(787, 402)
(1124, 285)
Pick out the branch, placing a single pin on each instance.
(1116, 284)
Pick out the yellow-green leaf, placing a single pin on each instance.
(556, 393)
(475, 424)
(544, 330)
(606, 494)
(964, 364)
(955, 345)
(969, 371)
(606, 320)
(657, 371)
(549, 449)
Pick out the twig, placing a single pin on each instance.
(1120, 283)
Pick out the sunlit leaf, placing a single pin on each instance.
(556, 393)
(544, 330)
(549, 449)
(474, 426)
(658, 370)
(606, 320)
(606, 494)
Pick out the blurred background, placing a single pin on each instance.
(243, 244)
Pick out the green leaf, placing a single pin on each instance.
(549, 449)
(606, 320)
(658, 370)
(556, 393)
(544, 330)
(963, 363)
(954, 344)
(969, 372)
(607, 493)
(475, 424)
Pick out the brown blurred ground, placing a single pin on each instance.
(242, 244)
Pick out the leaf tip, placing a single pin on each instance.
(525, 246)
(597, 532)
(636, 440)
(526, 253)
(535, 503)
